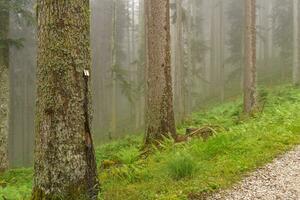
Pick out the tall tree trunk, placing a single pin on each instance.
(270, 29)
(222, 49)
(65, 165)
(179, 66)
(141, 67)
(260, 25)
(114, 77)
(160, 120)
(134, 67)
(296, 72)
(207, 37)
(250, 57)
(4, 88)
(189, 65)
(215, 50)
(212, 48)
(265, 33)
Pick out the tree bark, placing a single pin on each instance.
(160, 120)
(250, 58)
(4, 89)
(296, 72)
(65, 165)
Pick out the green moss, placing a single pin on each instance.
(73, 192)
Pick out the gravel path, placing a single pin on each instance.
(279, 180)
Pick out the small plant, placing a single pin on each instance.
(128, 156)
(181, 166)
(129, 173)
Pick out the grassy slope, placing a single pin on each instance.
(184, 169)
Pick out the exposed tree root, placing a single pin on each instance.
(204, 132)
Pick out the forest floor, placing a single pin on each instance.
(195, 169)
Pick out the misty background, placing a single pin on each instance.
(207, 38)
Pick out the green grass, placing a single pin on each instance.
(16, 184)
(173, 173)
(181, 165)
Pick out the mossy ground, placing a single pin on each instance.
(176, 171)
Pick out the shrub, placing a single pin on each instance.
(128, 156)
(181, 166)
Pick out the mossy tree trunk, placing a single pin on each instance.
(65, 166)
(4, 86)
(160, 120)
(250, 57)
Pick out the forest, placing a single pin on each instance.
(149, 100)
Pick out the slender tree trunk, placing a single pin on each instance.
(212, 48)
(265, 33)
(216, 49)
(65, 165)
(189, 65)
(207, 34)
(141, 66)
(159, 96)
(270, 32)
(250, 57)
(179, 68)
(134, 68)
(222, 49)
(133, 30)
(296, 72)
(114, 78)
(130, 42)
(173, 33)
(260, 24)
(129, 33)
(4, 89)
(134, 64)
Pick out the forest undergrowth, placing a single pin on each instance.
(179, 171)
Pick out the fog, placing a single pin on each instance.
(207, 47)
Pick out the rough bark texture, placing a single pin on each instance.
(160, 120)
(296, 70)
(250, 58)
(65, 166)
(4, 86)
